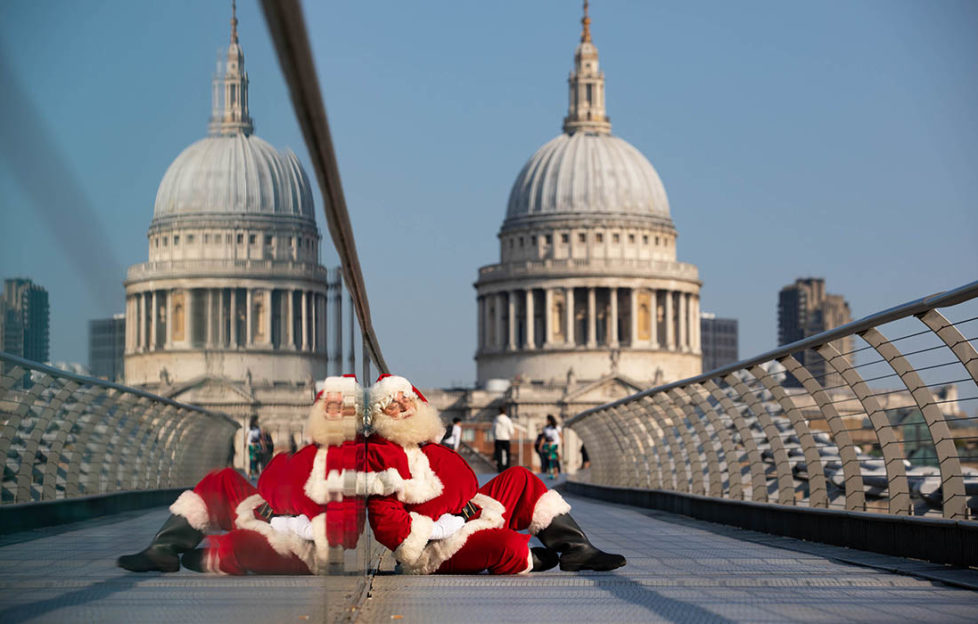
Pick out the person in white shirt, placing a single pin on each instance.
(502, 431)
(455, 437)
(551, 446)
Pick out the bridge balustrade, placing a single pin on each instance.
(803, 426)
(65, 435)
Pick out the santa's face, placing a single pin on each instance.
(334, 408)
(401, 407)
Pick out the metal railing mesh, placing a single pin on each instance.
(878, 415)
(65, 435)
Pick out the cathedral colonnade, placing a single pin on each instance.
(576, 316)
(229, 318)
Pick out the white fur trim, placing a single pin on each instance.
(386, 389)
(381, 483)
(192, 507)
(321, 487)
(212, 563)
(424, 484)
(438, 552)
(322, 545)
(529, 561)
(284, 543)
(414, 544)
(548, 506)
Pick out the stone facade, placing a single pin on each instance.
(230, 311)
(588, 302)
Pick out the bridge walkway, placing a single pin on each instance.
(680, 570)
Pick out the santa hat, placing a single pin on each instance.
(386, 388)
(347, 385)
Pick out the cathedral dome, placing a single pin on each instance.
(234, 173)
(587, 173)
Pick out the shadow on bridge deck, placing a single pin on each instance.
(680, 570)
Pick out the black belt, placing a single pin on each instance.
(264, 511)
(468, 511)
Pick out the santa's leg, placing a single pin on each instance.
(530, 505)
(243, 551)
(211, 504)
(500, 551)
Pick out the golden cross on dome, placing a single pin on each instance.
(586, 22)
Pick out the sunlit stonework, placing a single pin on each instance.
(588, 302)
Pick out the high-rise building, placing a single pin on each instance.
(106, 347)
(25, 319)
(805, 309)
(719, 341)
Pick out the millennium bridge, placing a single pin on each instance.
(758, 492)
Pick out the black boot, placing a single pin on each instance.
(544, 558)
(576, 552)
(163, 554)
(194, 560)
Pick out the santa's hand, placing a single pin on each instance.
(446, 525)
(301, 526)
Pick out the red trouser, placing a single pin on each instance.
(245, 547)
(503, 550)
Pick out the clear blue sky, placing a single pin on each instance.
(835, 139)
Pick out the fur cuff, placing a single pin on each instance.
(529, 561)
(381, 483)
(284, 543)
(413, 545)
(192, 507)
(548, 506)
(440, 551)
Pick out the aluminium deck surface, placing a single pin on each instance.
(679, 570)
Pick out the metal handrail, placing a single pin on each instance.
(64, 435)
(288, 30)
(747, 429)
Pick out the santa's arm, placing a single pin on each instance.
(406, 533)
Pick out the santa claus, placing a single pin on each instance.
(438, 519)
(301, 507)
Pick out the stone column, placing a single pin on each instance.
(695, 301)
(234, 318)
(248, 323)
(290, 322)
(305, 321)
(613, 320)
(189, 324)
(633, 306)
(591, 310)
(480, 306)
(683, 343)
(500, 341)
(169, 319)
(268, 317)
(670, 326)
(528, 309)
(210, 317)
(153, 322)
(548, 315)
(569, 318)
(654, 316)
(511, 344)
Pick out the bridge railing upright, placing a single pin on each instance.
(65, 435)
(808, 423)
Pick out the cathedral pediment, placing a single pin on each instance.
(209, 390)
(604, 390)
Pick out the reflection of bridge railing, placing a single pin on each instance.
(743, 432)
(66, 435)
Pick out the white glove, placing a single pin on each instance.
(299, 525)
(446, 525)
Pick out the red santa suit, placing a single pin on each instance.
(428, 480)
(323, 483)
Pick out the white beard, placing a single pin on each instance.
(423, 426)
